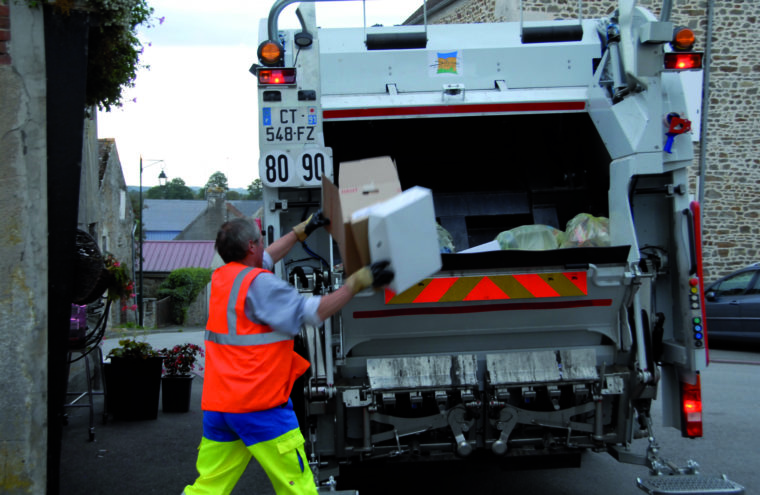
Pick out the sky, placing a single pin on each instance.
(194, 111)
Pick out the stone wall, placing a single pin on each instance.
(732, 178)
(23, 251)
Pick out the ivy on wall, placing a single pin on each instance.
(114, 48)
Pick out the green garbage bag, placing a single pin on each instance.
(530, 238)
(586, 230)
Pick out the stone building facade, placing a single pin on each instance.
(730, 214)
(24, 289)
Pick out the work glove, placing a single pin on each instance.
(315, 221)
(375, 275)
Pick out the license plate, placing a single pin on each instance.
(290, 125)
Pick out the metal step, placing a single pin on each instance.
(689, 484)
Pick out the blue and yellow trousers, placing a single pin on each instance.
(231, 439)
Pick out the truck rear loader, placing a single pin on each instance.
(511, 352)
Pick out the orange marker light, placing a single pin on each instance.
(270, 53)
(683, 39)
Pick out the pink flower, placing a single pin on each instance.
(124, 308)
(133, 307)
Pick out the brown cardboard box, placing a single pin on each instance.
(362, 184)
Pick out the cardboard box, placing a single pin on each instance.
(379, 222)
(362, 184)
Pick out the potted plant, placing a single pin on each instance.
(177, 382)
(133, 380)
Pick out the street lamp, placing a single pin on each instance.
(162, 181)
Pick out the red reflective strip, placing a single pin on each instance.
(536, 285)
(389, 294)
(451, 310)
(578, 279)
(435, 290)
(553, 106)
(486, 290)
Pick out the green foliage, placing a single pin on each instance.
(180, 360)
(234, 195)
(183, 285)
(132, 349)
(120, 286)
(174, 189)
(114, 50)
(113, 54)
(217, 179)
(256, 190)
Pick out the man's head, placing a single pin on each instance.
(237, 240)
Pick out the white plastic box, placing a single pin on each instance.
(402, 230)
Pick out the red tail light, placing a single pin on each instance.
(277, 76)
(683, 60)
(691, 405)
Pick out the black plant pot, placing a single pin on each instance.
(176, 392)
(132, 387)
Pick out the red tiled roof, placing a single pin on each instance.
(165, 256)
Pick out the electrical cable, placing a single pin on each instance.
(315, 255)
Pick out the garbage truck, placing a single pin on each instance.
(579, 129)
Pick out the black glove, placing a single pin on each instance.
(381, 274)
(315, 221)
(375, 275)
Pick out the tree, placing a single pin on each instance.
(256, 190)
(233, 195)
(174, 189)
(219, 180)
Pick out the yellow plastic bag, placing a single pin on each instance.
(530, 238)
(586, 230)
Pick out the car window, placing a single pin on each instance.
(735, 285)
(754, 287)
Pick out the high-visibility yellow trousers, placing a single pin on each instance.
(220, 465)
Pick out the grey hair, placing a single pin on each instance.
(233, 236)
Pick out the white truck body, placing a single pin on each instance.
(505, 133)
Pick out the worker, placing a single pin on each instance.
(250, 362)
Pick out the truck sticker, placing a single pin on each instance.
(448, 63)
(494, 287)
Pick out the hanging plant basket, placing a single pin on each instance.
(90, 272)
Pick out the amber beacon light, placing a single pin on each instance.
(270, 54)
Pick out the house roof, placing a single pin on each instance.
(171, 214)
(248, 207)
(174, 215)
(165, 256)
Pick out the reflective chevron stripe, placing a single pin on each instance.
(492, 288)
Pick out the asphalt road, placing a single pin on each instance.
(158, 456)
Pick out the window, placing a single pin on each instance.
(736, 284)
(122, 205)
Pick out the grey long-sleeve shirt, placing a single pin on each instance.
(274, 302)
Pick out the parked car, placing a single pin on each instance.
(733, 306)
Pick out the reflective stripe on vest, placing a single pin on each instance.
(232, 337)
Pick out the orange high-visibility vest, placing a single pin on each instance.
(249, 367)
